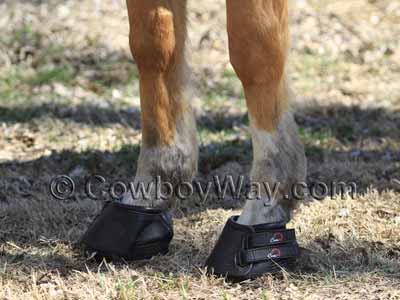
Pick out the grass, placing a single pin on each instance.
(50, 75)
(69, 104)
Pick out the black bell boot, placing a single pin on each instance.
(246, 252)
(128, 232)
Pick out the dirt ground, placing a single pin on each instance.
(69, 104)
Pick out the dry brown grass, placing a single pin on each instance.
(353, 251)
(69, 105)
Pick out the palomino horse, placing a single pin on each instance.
(258, 46)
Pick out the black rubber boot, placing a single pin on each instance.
(128, 232)
(246, 252)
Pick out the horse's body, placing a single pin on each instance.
(258, 45)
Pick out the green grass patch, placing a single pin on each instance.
(316, 142)
(62, 74)
(311, 71)
(228, 89)
(126, 290)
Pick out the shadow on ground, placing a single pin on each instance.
(94, 115)
(25, 202)
(334, 136)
